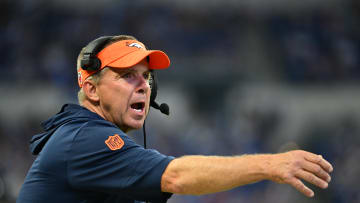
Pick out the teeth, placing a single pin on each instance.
(137, 110)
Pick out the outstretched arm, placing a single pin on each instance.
(209, 174)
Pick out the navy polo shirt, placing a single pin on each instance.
(84, 158)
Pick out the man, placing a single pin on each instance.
(85, 155)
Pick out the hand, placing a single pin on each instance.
(292, 166)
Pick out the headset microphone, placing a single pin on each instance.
(164, 108)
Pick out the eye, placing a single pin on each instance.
(127, 75)
(147, 75)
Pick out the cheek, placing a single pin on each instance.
(121, 102)
(147, 103)
(148, 97)
(115, 99)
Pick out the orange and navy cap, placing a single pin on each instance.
(125, 54)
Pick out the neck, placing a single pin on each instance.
(93, 108)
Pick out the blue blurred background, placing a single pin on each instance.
(250, 76)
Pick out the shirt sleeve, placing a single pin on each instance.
(103, 159)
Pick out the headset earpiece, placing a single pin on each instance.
(90, 61)
(164, 108)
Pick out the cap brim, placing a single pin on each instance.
(158, 59)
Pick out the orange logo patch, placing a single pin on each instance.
(114, 142)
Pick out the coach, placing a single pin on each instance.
(85, 156)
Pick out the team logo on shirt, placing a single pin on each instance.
(114, 142)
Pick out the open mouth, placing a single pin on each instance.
(139, 106)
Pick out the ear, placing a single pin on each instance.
(90, 90)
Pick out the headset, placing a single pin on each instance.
(91, 62)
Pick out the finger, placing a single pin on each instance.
(317, 170)
(318, 159)
(311, 178)
(297, 184)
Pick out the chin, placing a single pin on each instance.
(134, 126)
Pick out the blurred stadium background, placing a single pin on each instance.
(250, 76)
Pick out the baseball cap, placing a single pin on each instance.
(125, 54)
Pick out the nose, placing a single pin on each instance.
(143, 85)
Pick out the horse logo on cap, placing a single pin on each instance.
(134, 44)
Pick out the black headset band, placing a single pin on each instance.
(97, 45)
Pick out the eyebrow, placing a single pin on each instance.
(127, 70)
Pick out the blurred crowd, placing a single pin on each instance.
(241, 81)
